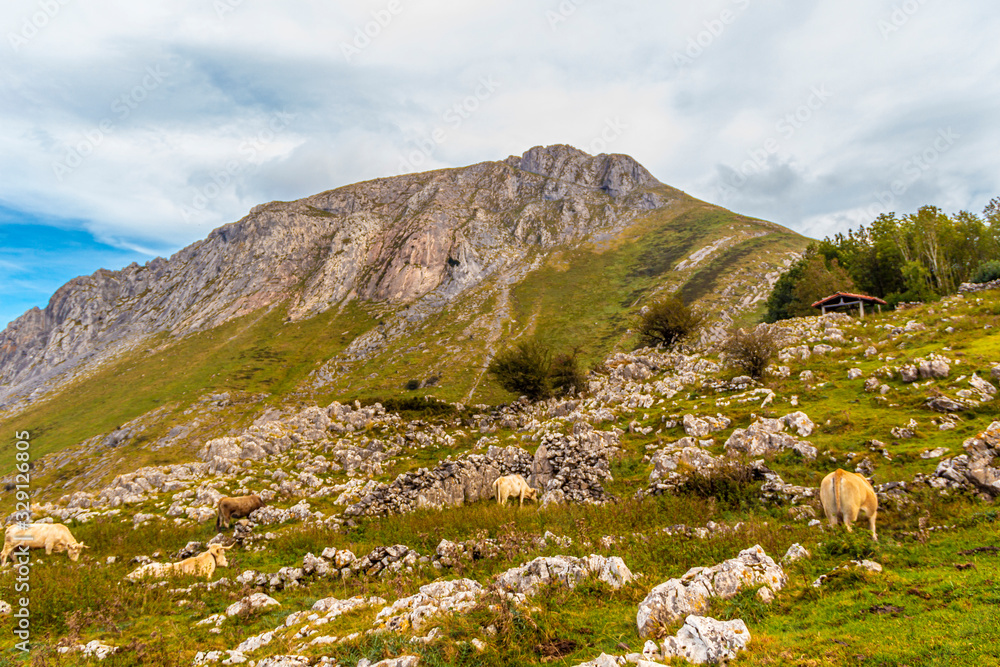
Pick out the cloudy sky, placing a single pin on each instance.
(129, 130)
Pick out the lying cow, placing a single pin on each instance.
(513, 486)
(844, 494)
(202, 565)
(238, 506)
(52, 536)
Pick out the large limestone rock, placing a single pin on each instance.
(704, 640)
(690, 594)
(567, 570)
(417, 611)
(702, 427)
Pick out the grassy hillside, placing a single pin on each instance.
(935, 601)
(582, 296)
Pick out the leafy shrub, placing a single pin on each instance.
(524, 369)
(530, 369)
(566, 376)
(731, 483)
(986, 272)
(668, 321)
(751, 351)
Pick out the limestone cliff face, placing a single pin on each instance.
(402, 239)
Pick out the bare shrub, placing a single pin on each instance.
(751, 351)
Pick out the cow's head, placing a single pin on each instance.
(219, 554)
(75, 549)
(531, 494)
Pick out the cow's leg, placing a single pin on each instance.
(871, 524)
(48, 547)
(849, 518)
(7, 548)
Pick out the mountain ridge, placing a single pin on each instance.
(413, 243)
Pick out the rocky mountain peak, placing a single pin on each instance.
(615, 174)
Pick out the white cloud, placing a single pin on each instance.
(165, 97)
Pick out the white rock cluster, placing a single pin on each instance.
(690, 594)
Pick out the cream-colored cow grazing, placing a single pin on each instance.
(50, 536)
(844, 494)
(513, 486)
(202, 565)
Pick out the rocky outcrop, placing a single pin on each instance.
(765, 437)
(565, 570)
(705, 640)
(571, 468)
(973, 470)
(690, 594)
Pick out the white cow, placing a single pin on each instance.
(513, 486)
(52, 536)
(202, 565)
(844, 494)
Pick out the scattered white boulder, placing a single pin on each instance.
(794, 553)
(704, 640)
(690, 594)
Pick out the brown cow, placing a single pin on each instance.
(844, 494)
(236, 507)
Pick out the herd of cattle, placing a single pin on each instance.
(843, 495)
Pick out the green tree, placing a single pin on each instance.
(778, 304)
(524, 369)
(668, 321)
(816, 282)
(530, 369)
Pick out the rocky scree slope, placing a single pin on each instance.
(412, 243)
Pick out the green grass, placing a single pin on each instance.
(255, 354)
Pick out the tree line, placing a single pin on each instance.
(915, 257)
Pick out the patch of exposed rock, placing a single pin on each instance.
(974, 470)
(690, 594)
